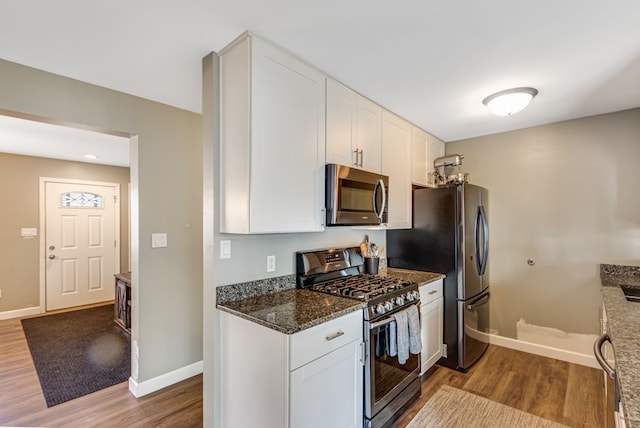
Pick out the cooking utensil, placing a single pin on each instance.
(374, 250)
(380, 251)
(363, 250)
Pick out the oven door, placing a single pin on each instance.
(355, 197)
(385, 377)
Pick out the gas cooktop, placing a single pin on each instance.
(339, 272)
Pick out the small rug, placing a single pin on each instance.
(454, 408)
(77, 353)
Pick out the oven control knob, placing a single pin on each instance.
(379, 309)
(400, 300)
(410, 296)
(388, 305)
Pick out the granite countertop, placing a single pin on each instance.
(623, 325)
(420, 277)
(293, 310)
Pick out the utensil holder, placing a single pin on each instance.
(371, 265)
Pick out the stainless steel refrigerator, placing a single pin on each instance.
(450, 235)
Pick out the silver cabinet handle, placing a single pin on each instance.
(335, 335)
(432, 292)
(597, 351)
(361, 157)
(355, 154)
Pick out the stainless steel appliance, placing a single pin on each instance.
(450, 235)
(355, 196)
(611, 380)
(389, 386)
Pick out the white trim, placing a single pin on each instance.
(545, 351)
(152, 385)
(42, 221)
(19, 313)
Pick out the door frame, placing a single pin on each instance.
(42, 221)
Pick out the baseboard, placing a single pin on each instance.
(19, 313)
(545, 351)
(152, 385)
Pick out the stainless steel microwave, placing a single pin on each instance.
(355, 197)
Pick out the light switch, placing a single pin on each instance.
(28, 232)
(158, 240)
(225, 249)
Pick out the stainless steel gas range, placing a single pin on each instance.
(389, 385)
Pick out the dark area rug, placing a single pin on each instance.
(77, 353)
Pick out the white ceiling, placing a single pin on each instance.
(430, 61)
(33, 138)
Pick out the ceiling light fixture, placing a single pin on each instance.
(510, 101)
(91, 157)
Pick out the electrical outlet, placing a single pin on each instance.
(271, 263)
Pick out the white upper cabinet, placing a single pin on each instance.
(353, 128)
(272, 140)
(424, 149)
(435, 149)
(419, 143)
(396, 163)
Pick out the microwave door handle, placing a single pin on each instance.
(379, 184)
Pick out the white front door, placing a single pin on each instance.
(81, 242)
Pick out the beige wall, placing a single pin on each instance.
(565, 195)
(166, 187)
(19, 191)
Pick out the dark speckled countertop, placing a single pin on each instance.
(414, 275)
(276, 303)
(623, 326)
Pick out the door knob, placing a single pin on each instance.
(52, 256)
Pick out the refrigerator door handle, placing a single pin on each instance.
(485, 239)
(476, 239)
(482, 301)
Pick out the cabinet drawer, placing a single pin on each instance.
(319, 340)
(430, 292)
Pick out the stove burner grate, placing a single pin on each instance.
(363, 287)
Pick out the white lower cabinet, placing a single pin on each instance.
(313, 378)
(431, 316)
(323, 393)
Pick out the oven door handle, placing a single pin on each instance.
(381, 323)
(597, 350)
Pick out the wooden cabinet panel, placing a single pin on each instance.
(396, 163)
(353, 128)
(272, 140)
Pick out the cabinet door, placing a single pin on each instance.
(435, 149)
(419, 156)
(287, 142)
(328, 391)
(396, 163)
(341, 119)
(431, 323)
(369, 116)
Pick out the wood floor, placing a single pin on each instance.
(556, 390)
(22, 403)
(562, 392)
